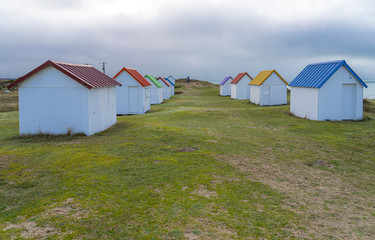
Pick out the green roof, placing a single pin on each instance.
(153, 79)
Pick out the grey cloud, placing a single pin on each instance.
(205, 42)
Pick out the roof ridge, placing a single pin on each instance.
(71, 64)
(328, 62)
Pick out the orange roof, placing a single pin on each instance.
(86, 75)
(136, 75)
(239, 77)
(263, 75)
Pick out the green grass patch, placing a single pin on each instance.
(198, 166)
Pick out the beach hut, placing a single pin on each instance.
(166, 85)
(225, 86)
(268, 88)
(327, 91)
(171, 87)
(133, 97)
(156, 90)
(172, 79)
(240, 88)
(64, 98)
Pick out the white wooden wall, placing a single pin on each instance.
(304, 102)
(102, 109)
(233, 91)
(331, 97)
(225, 89)
(242, 88)
(156, 94)
(255, 94)
(166, 91)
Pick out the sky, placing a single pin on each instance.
(207, 40)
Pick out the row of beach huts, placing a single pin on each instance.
(322, 91)
(64, 98)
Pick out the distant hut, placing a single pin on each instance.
(327, 91)
(240, 88)
(156, 89)
(166, 89)
(133, 97)
(172, 79)
(225, 86)
(171, 87)
(268, 88)
(64, 98)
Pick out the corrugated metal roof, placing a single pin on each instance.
(166, 83)
(316, 74)
(153, 79)
(225, 80)
(239, 77)
(86, 75)
(263, 75)
(136, 75)
(169, 81)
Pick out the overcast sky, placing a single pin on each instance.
(207, 40)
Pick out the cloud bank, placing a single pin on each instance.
(207, 40)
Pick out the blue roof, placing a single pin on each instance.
(225, 80)
(169, 81)
(316, 74)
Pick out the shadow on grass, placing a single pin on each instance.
(43, 137)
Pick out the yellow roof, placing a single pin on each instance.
(263, 75)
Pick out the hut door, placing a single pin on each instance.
(348, 103)
(133, 99)
(147, 99)
(266, 95)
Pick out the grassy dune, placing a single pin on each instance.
(198, 166)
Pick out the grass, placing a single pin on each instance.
(198, 166)
(8, 100)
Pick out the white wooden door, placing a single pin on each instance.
(266, 95)
(146, 106)
(348, 101)
(133, 99)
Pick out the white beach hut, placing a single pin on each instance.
(133, 97)
(166, 88)
(64, 98)
(327, 91)
(225, 86)
(240, 88)
(268, 88)
(171, 86)
(156, 90)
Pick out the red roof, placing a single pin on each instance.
(239, 77)
(136, 75)
(165, 82)
(86, 75)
